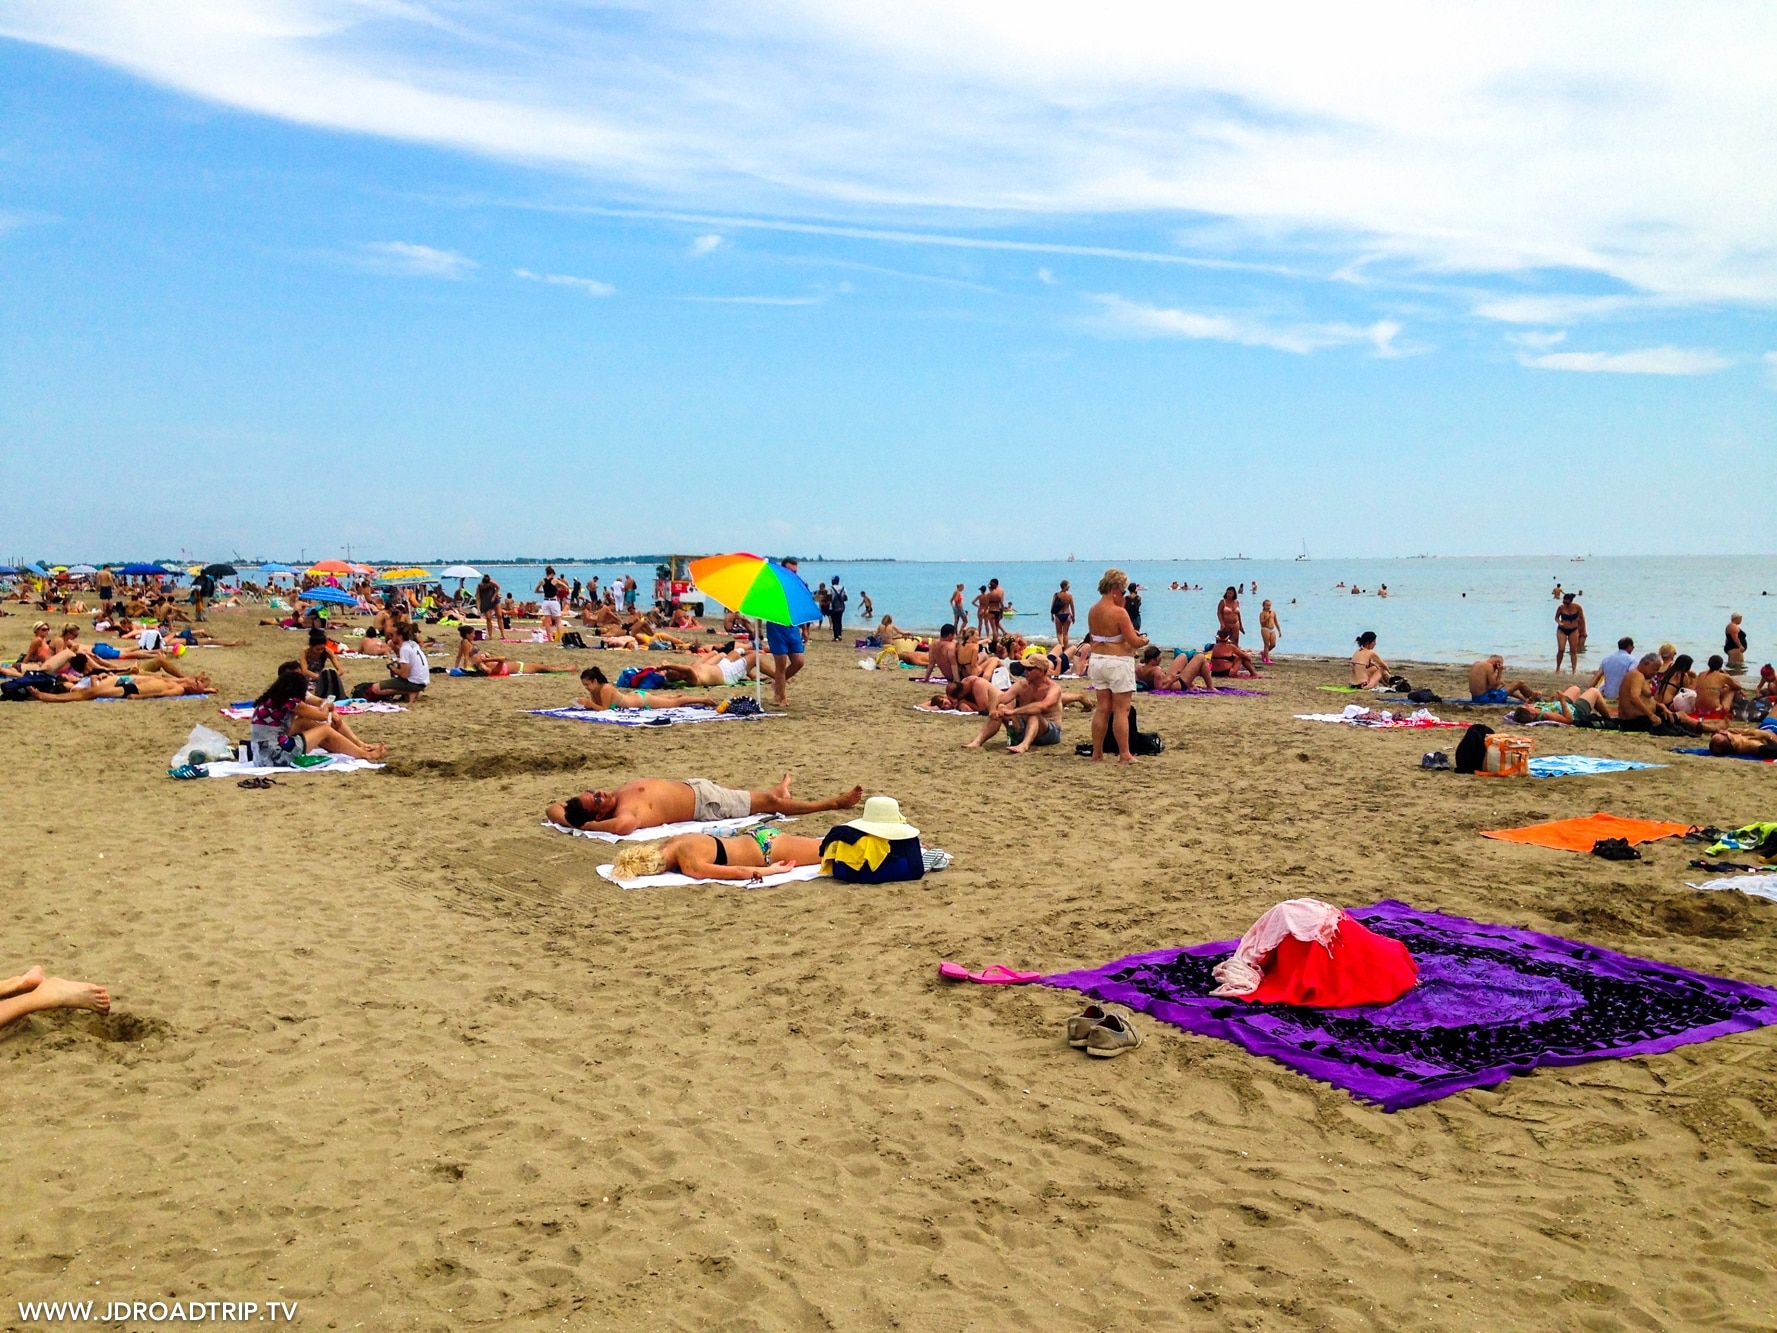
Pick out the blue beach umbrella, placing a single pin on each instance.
(140, 570)
(331, 596)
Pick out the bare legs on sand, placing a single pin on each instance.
(31, 991)
(778, 801)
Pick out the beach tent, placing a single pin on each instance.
(757, 588)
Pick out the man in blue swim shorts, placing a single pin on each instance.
(1486, 684)
(785, 643)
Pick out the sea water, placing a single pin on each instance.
(1437, 609)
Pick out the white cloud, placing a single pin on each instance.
(1045, 277)
(755, 300)
(1133, 319)
(705, 245)
(1558, 309)
(591, 286)
(415, 261)
(1628, 139)
(1538, 342)
(1642, 361)
(1771, 361)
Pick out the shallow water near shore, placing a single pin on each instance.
(1437, 610)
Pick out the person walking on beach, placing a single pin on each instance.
(1061, 611)
(836, 600)
(958, 615)
(107, 584)
(1269, 630)
(487, 601)
(1228, 616)
(1115, 642)
(1570, 632)
(785, 643)
(1132, 604)
(864, 607)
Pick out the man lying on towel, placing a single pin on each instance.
(726, 666)
(650, 802)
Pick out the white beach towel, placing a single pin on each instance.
(243, 712)
(668, 881)
(640, 717)
(717, 828)
(334, 763)
(1759, 886)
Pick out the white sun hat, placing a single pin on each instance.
(882, 819)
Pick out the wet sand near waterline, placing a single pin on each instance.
(383, 1046)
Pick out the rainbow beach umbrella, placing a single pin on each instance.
(759, 588)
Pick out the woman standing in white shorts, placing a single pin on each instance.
(1115, 642)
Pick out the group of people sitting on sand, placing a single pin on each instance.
(640, 687)
(1661, 694)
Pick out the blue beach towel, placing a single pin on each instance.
(1581, 766)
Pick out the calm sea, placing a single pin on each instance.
(1437, 610)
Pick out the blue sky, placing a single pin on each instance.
(953, 281)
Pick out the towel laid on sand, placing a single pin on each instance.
(668, 881)
(1492, 1001)
(331, 763)
(645, 717)
(1204, 694)
(243, 712)
(1578, 835)
(718, 828)
(1759, 886)
(1706, 753)
(1357, 716)
(1581, 766)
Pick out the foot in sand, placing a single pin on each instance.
(30, 979)
(780, 802)
(52, 993)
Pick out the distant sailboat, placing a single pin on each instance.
(1304, 554)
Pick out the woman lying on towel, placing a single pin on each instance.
(750, 855)
(601, 694)
(1573, 707)
(472, 660)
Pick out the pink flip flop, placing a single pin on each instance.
(996, 974)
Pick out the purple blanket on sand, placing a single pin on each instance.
(1492, 1001)
(1204, 694)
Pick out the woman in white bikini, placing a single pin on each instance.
(1115, 642)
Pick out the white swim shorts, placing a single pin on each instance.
(1116, 674)
(550, 608)
(733, 672)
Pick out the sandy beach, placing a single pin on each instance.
(384, 1046)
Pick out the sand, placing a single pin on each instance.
(385, 1047)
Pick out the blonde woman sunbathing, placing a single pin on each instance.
(748, 856)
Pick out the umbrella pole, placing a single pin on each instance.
(759, 659)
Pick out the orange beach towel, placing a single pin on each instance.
(1578, 835)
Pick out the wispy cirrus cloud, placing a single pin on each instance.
(591, 286)
(705, 245)
(1560, 309)
(405, 259)
(1125, 318)
(1456, 138)
(1640, 361)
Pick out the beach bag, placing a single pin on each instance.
(1400, 684)
(1141, 743)
(572, 639)
(743, 705)
(853, 849)
(1423, 697)
(18, 689)
(1471, 750)
(328, 685)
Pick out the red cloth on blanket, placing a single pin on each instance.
(1360, 967)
